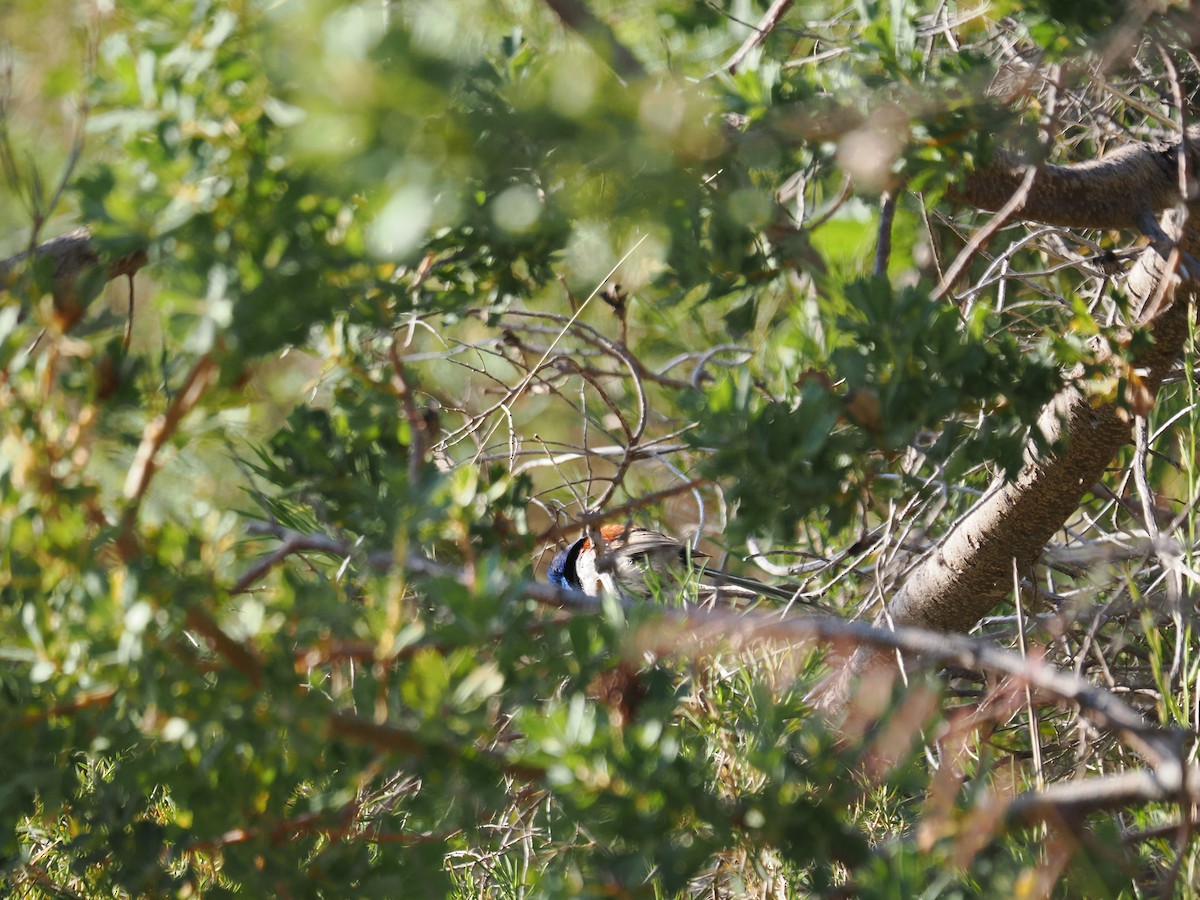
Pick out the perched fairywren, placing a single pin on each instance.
(632, 557)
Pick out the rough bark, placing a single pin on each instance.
(970, 569)
(1112, 192)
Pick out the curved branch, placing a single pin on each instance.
(1115, 191)
(967, 572)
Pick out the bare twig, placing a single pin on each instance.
(614, 513)
(765, 26)
(512, 394)
(985, 234)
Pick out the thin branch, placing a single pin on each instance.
(1014, 203)
(765, 26)
(699, 627)
(128, 337)
(616, 512)
(985, 234)
(293, 542)
(696, 627)
(100, 696)
(883, 244)
(512, 394)
(417, 425)
(159, 431)
(396, 739)
(1071, 800)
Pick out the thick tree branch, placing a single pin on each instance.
(1112, 192)
(967, 572)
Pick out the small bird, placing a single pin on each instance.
(632, 558)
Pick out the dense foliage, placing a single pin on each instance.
(426, 285)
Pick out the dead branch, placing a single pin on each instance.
(1071, 800)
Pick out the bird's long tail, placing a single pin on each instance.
(786, 593)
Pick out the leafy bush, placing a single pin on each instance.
(378, 303)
